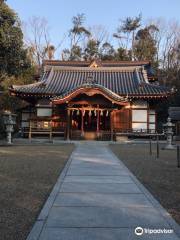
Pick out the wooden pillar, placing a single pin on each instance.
(68, 124)
(147, 130)
(30, 128)
(112, 126)
(98, 121)
(82, 122)
(50, 132)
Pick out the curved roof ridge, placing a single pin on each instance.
(35, 84)
(99, 69)
(92, 85)
(41, 83)
(75, 63)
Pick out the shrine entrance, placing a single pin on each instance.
(89, 112)
(90, 121)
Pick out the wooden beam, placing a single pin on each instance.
(92, 108)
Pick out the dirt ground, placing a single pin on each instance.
(159, 175)
(27, 176)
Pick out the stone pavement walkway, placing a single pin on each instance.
(98, 198)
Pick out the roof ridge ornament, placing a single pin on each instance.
(95, 64)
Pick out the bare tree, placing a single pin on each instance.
(168, 51)
(99, 34)
(37, 40)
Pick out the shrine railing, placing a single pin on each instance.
(44, 127)
(139, 133)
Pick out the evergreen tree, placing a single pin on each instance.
(92, 50)
(107, 51)
(13, 59)
(15, 66)
(77, 34)
(122, 54)
(145, 45)
(76, 53)
(128, 27)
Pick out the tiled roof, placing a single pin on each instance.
(131, 80)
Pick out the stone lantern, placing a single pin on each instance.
(168, 129)
(9, 120)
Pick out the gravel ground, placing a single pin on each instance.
(160, 176)
(27, 176)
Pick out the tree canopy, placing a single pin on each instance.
(12, 54)
(145, 45)
(14, 64)
(133, 40)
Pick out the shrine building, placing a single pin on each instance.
(91, 100)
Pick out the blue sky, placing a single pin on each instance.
(98, 12)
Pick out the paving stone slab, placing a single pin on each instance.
(36, 230)
(105, 217)
(104, 160)
(100, 234)
(82, 187)
(80, 171)
(93, 165)
(102, 200)
(100, 162)
(99, 179)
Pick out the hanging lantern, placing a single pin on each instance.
(78, 112)
(107, 113)
(101, 113)
(84, 111)
(95, 113)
